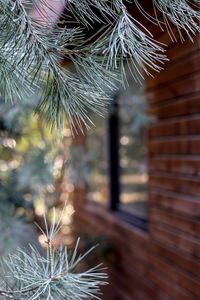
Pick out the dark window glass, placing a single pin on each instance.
(97, 162)
(132, 152)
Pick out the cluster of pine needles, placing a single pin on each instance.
(31, 51)
(30, 275)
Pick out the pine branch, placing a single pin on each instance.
(181, 14)
(30, 51)
(51, 277)
(128, 43)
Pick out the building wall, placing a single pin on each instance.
(164, 263)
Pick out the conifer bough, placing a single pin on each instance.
(32, 276)
(31, 48)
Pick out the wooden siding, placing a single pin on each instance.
(164, 263)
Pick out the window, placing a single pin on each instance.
(127, 155)
(117, 157)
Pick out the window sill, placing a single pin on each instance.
(118, 218)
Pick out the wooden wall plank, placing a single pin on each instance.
(178, 203)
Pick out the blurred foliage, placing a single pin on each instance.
(31, 158)
(14, 232)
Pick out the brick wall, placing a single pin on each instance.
(164, 263)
